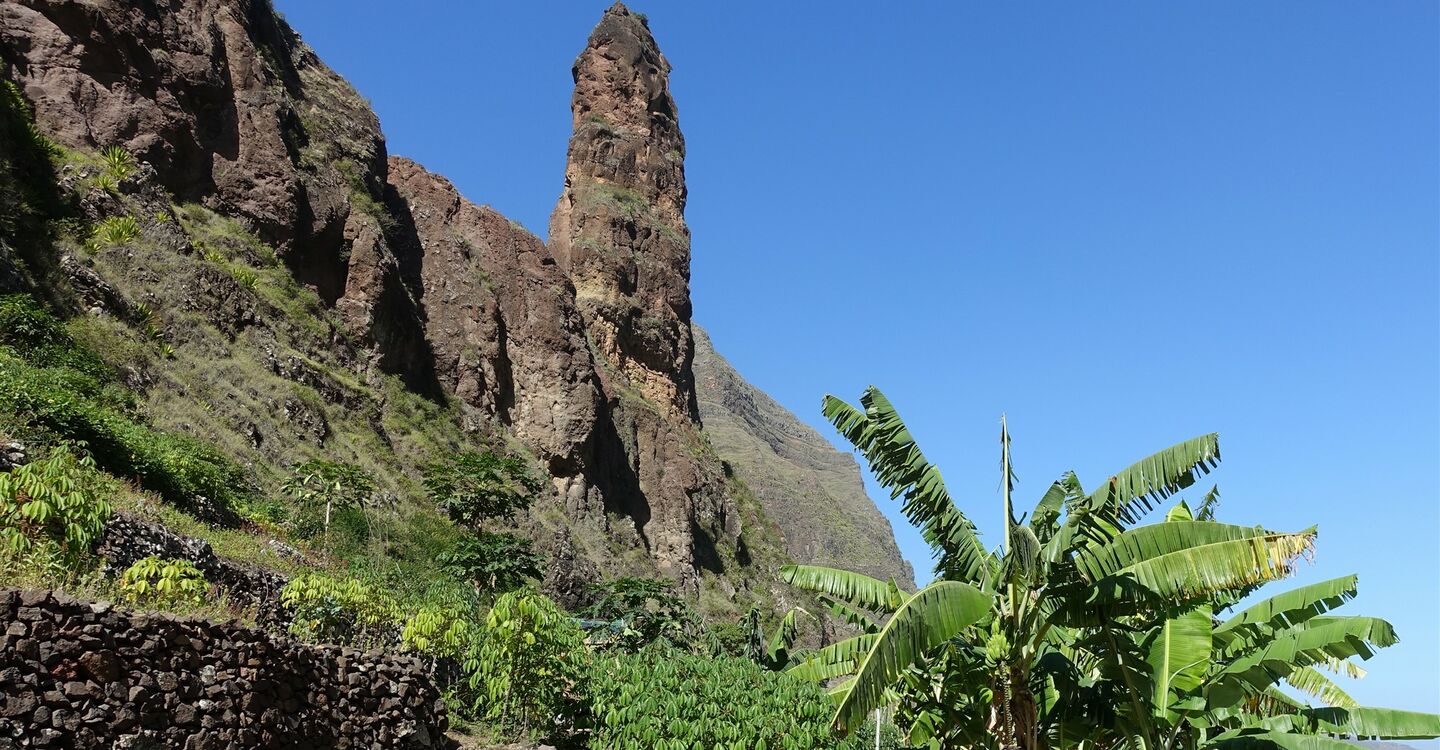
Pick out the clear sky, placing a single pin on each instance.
(1123, 224)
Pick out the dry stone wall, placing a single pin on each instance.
(88, 675)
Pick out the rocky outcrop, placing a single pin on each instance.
(811, 490)
(580, 351)
(234, 112)
(87, 674)
(501, 314)
(619, 228)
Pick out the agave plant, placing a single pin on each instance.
(1083, 626)
(115, 231)
(119, 164)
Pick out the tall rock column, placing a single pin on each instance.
(619, 228)
(619, 232)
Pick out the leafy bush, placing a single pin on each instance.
(495, 563)
(43, 340)
(476, 487)
(50, 382)
(340, 610)
(53, 500)
(531, 665)
(438, 630)
(662, 697)
(647, 610)
(156, 580)
(74, 406)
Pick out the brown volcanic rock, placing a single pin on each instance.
(619, 231)
(233, 111)
(507, 337)
(619, 227)
(812, 491)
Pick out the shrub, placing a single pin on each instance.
(647, 611)
(661, 697)
(49, 382)
(246, 278)
(442, 631)
(156, 580)
(340, 610)
(43, 340)
(530, 666)
(474, 487)
(495, 563)
(53, 500)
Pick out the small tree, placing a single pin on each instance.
(495, 563)
(474, 487)
(341, 610)
(333, 485)
(531, 664)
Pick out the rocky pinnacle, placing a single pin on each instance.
(619, 227)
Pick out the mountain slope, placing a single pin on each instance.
(291, 291)
(813, 492)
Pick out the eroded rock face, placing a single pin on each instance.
(619, 227)
(582, 350)
(508, 339)
(235, 112)
(619, 231)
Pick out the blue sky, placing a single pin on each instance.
(1122, 225)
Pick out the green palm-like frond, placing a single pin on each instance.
(856, 589)
(1178, 653)
(1379, 723)
(1136, 490)
(899, 465)
(932, 616)
(1186, 559)
(785, 636)
(1360, 722)
(835, 660)
(1205, 511)
(1315, 641)
(1279, 741)
(851, 615)
(1315, 684)
(1288, 609)
(1044, 520)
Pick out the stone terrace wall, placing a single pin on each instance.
(90, 675)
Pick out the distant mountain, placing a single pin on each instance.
(810, 490)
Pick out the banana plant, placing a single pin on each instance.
(1082, 626)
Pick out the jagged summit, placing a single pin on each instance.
(619, 227)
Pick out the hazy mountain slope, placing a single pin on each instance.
(812, 491)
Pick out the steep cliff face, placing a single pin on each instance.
(233, 112)
(319, 298)
(812, 491)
